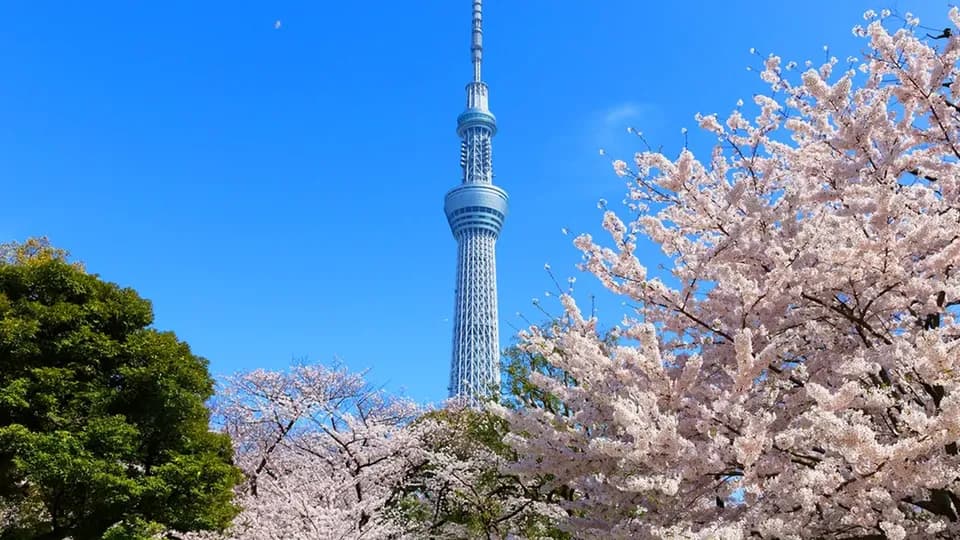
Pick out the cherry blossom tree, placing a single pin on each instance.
(325, 456)
(796, 374)
(322, 452)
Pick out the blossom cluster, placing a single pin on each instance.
(797, 374)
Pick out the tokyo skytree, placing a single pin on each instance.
(475, 210)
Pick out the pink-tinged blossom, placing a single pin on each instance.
(327, 457)
(798, 375)
(323, 454)
(620, 167)
(708, 122)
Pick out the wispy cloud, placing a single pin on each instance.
(609, 124)
(621, 114)
(605, 128)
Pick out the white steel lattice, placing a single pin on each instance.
(475, 369)
(477, 155)
(476, 210)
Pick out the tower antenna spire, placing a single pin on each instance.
(476, 44)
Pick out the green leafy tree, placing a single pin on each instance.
(520, 362)
(103, 428)
(463, 487)
(519, 392)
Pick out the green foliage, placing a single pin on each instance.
(136, 529)
(463, 490)
(517, 365)
(103, 429)
(33, 251)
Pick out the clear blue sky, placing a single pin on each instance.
(277, 193)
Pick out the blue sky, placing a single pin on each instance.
(277, 192)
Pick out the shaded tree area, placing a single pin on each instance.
(103, 427)
(464, 488)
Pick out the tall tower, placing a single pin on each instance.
(475, 210)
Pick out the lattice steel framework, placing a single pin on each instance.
(476, 210)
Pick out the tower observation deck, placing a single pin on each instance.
(475, 211)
